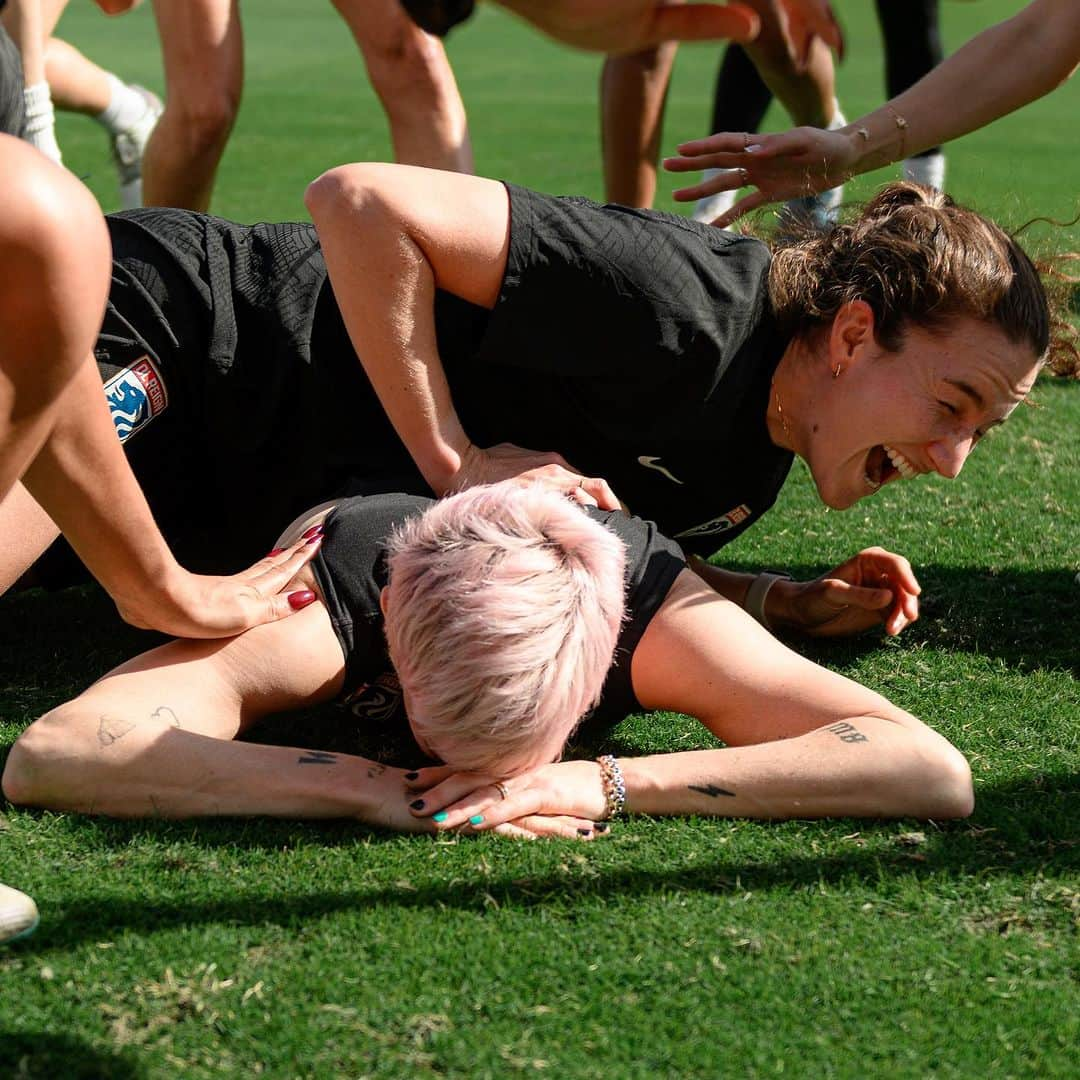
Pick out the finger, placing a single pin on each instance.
(486, 808)
(514, 832)
(581, 496)
(701, 22)
(448, 791)
(601, 493)
(266, 602)
(726, 180)
(722, 142)
(742, 206)
(842, 594)
(423, 779)
(565, 828)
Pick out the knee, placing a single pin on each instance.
(350, 189)
(204, 121)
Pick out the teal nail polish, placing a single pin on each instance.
(476, 819)
(440, 817)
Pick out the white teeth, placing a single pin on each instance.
(901, 463)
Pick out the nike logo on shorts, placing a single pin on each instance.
(650, 462)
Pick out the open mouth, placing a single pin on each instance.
(883, 464)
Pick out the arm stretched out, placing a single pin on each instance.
(802, 742)
(997, 72)
(156, 738)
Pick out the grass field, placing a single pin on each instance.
(677, 948)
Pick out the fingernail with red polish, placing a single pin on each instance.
(315, 530)
(314, 540)
(271, 554)
(301, 599)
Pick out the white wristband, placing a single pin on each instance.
(758, 591)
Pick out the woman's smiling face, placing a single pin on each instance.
(895, 415)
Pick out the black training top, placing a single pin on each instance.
(351, 572)
(640, 345)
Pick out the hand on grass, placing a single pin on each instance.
(564, 800)
(505, 461)
(205, 606)
(871, 588)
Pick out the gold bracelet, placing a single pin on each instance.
(901, 126)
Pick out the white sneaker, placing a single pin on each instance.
(128, 147)
(18, 914)
(709, 208)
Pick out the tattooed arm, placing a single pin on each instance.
(156, 736)
(802, 741)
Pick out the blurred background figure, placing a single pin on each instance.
(57, 75)
(634, 89)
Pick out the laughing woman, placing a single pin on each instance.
(486, 625)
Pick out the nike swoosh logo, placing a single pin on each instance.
(650, 463)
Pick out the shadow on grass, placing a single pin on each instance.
(47, 1055)
(1024, 828)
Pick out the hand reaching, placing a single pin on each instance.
(802, 161)
(205, 606)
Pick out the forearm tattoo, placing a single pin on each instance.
(317, 757)
(112, 729)
(375, 771)
(846, 732)
(711, 790)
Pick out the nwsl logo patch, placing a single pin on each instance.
(135, 396)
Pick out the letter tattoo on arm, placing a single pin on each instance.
(317, 757)
(711, 790)
(848, 733)
(112, 729)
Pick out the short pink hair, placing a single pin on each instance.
(503, 609)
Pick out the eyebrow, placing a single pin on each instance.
(967, 388)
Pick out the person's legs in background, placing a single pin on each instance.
(412, 77)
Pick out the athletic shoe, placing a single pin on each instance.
(819, 212)
(128, 147)
(709, 208)
(18, 914)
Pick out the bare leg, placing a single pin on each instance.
(633, 92)
(808, 96)
(415, 83)
(202, 49)
(77, 84)
(28, 530)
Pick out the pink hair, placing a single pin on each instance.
(503, 608)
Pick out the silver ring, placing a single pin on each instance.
(502, 789)
(745, 139)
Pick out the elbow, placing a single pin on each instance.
(345, 191)
(944, 787)
(34, 772)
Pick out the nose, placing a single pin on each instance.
(949, 454)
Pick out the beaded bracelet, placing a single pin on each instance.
(614, 786)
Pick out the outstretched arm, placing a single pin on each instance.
(392, 235)
(801, 741)
(1011, 64)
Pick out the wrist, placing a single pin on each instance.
(759, 594)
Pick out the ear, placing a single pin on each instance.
(384, 604)
(850, 336)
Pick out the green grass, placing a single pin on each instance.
(675, 948)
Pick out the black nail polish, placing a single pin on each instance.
(416, 804)
(412, 776)
(584, 832)
(600, 826)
